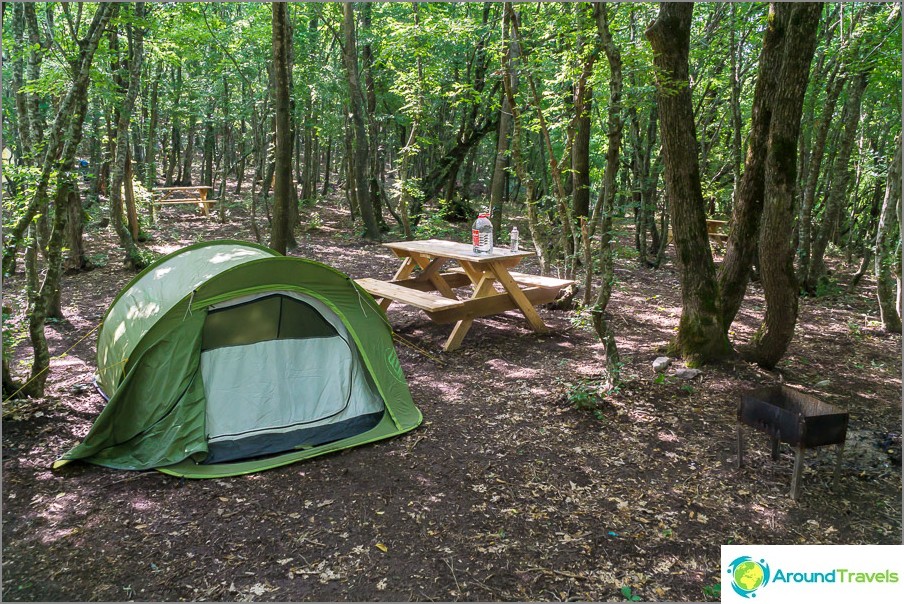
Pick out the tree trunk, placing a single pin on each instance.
(185, 172)
(748, 206)
(813, 171)
(281, 226)
(776, 254)
(67, 130)
(122, 167)
(539, 232)
(607, 200)
(75, 226)
(580, 153)
(18, 76)
(150, 144)
(701, 337)
(841, 176)
(209, 144)
(497, 184)
(888, 252)
(327, 165)
(867, 251)
(59, 152)
(359, 139)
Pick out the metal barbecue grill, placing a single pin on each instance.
(790, 416)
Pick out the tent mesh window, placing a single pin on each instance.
(280, 372)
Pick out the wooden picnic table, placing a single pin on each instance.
(193, 194)
(715, 230)
(496, 289)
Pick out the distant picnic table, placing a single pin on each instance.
(181, 195)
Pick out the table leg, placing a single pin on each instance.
(518, 297)
(483, 288)
(202, 193)
(430, 273)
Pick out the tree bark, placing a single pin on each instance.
(841, 176)
(813, 169)
(67, 130)
(281, 225)
(701, 337)
(580, 152)
(68, 123)
(497, 184)
(121, 166)
(888, 253)
(748, 206)
(776, 254)
(359, 139)
(150, 149)
(606, 201)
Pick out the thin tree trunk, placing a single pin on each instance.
(607, 200)
(69, 120)
(888, 252)
(281, 225)
(150, 148)
(497, 184)
(701, 337)
(850, 119)
(359, 140)
(67, 130)
(868, 251)
(185, 172)
(748, 205)
(813, 170)
(540, 234)
(121, 167)
(776, 254)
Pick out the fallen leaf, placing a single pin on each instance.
(382, 548)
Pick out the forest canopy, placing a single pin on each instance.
(422, 113)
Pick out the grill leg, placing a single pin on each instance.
(795, 477)
(740, 447)
(775, 448)
(839, 449)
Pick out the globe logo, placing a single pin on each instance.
(748, 575)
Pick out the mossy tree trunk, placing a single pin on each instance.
(701, 337)
(122, 162)
(888, 250)
(841, 177)
(776, 252)
(748, 206)
(67, 132)
(359, 151)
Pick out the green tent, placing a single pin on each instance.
(226, 358)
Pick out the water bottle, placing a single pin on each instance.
(513, 239)
(482, 234)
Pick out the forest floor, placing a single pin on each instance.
(507, 491)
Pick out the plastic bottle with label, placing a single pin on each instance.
(482, 234)
(513, 240)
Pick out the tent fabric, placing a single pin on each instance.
(196, 372)
(154, 292)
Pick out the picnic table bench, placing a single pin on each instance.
(496, 289)
(180, 195)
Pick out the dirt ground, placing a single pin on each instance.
(506, 492)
